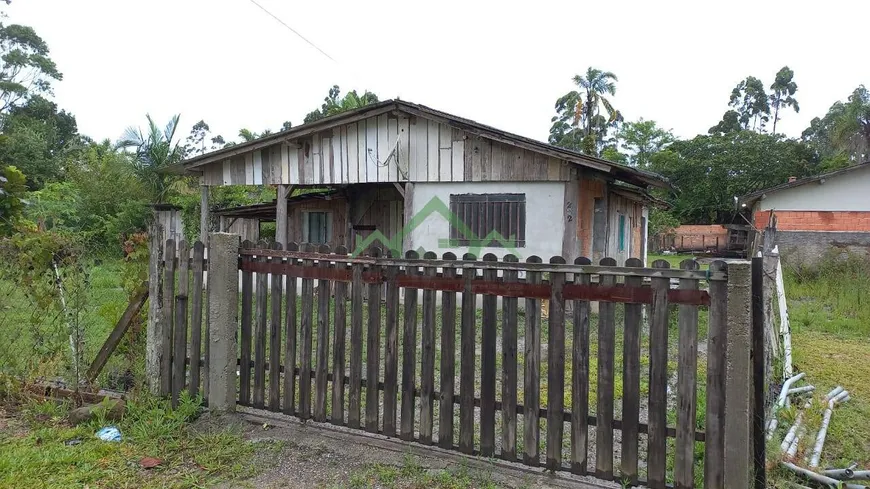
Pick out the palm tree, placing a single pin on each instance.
(247, 135)
(154, 150)
(851, 131)
(596, 84)
(580, 123)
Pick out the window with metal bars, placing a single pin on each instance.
(494, 220)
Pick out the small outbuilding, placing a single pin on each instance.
(406, 177)
(816, 215)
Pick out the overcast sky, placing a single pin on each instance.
(231, 64)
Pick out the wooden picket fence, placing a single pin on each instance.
(179, 287)
(513, 388)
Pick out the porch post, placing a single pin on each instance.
(203, 214)
(408, 207)
(223, 320)
(281, 213)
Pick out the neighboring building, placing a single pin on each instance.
(817, 214)
(409, 177)
(713, 239)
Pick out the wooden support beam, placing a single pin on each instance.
(408, 195)
(118, 332)
(284, 192)
(399, 188)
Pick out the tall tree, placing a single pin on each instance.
(153, 150)
(579, 123)
(782, 93)
(642, 139)
(710, 171)
(750, 101)
(25, 68)
(730, 123)
(333, 103)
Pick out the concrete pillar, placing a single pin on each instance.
(155, 346)
(203, 214)
(223, 317)
(738, 381)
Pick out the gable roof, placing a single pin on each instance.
(750, 199)
(620, 172)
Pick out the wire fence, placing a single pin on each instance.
(58, 304)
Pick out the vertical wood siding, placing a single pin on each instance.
(386, 148)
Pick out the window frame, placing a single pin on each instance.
(306, 226)
(483, 213)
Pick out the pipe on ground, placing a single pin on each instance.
(823, 431)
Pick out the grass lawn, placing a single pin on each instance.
(39, 449)
(829, 311)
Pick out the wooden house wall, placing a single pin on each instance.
(338, 209)
(386, 148)
(590, 189)
(246, 228)
(633, 212)
(378, 207)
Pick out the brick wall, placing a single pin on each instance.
(831, 221)
(697, 237)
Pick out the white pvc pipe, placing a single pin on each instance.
(784, 325)
(820, 438)
(801, 390)
(783, 395)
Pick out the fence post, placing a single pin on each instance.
(738, 382)
(154, 345)
(223, 314)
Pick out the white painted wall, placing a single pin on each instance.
(545, 222)
(848, 191)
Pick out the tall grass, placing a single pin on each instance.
(832, 296)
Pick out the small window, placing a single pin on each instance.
(495, 220)
(622, 232)
(317, 227)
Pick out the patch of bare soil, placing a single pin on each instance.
(315, 456)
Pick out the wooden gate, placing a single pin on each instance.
(456, 352)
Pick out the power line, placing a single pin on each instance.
(294, 31)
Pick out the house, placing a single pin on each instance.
(817, 214)
(404, 176)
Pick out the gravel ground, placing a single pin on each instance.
(315, 456)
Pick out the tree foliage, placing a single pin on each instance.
(751, 103)
(12, 194)
(333, 104)
(579, 123)
(25, 67)
(842, 136)
(782, 93)
(642, 139)
(154, 149)
(36, 137)
(709, 171)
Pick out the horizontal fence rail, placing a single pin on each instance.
(592, 369)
